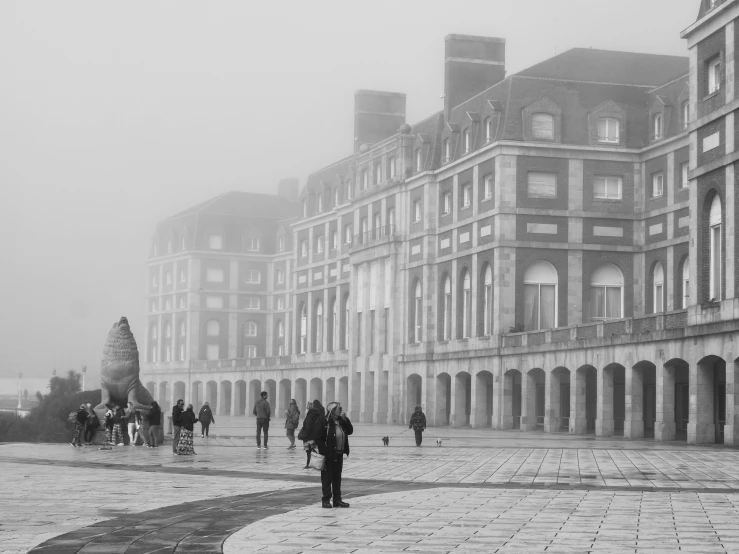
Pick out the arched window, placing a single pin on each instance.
(250, 329)
(487, 302)
(318, 325)
(488, 129)
(416, 313)
(465, 306)
(686, 282)
(542, 126)
(714, 237)
(215, 242)
(446, 310)
(213, 328)
(303, 329)
(540, 296)
(658, 288)
(168, 330)
(606, 292)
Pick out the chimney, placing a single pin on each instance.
(471, 65)
(288, 189)
(377, 116)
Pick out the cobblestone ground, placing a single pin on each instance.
(491, 491)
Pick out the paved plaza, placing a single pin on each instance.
(481, 491)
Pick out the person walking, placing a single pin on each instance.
(188, 420)
(155, 423)
(177, 423)
(263, 413)
(118, 418)
(331, 433)
(418, 423)
(291, 423)
(91, 424)
(206, 418)
(312, 411)
(130, 419)
(79, 425)
(109, 424)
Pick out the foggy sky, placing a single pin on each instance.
(116, 115)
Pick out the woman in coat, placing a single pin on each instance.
(185, 446)
(314, 409)
(292, 415)
(206, 418)
(418, 423)
(155, 423)
(331, 436)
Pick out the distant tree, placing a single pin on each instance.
(60, 386)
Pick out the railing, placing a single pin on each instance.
(376, 235)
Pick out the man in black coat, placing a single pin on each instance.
(177, 423)
(331, 436)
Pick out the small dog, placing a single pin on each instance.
(438, 441)
(385, 441)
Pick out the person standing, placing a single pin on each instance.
(79, 425)
(177, 423)
(206, 418)
(91, 424)
(331, 436)
(155, 423)
(188, 420)
(109, 424)
(313, 410)
(130, 418)
(418, 423)
(291, 423)
(263, 413)
(118, 418)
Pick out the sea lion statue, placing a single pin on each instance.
(119, 370)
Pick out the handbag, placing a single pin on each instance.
(317, 461)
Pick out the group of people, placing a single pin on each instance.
(183, 421)
(119, 422)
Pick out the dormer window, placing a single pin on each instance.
(447, 151)
(348, 190)
(686, 114)
(714, 74)
(252, 244)
(418, 158)
(657, 126)
(320, 202)
(488, 126)
(467, 141)
(608, 130)
(365, 178)
(303, 248)
(378, 173)
(542, 126)
(281, 243)
(391, 166)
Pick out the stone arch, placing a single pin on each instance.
(224, 393)
(533, 400)
(413, 394)
(673, 400)
(640, 397)
(255, 389)
(301, 393)
(151, 386)
(211, 395)
(558, 409)
(163, 397)
(179, 390)
(611, 401)
(240, 397)
(511, 399)
(316, 390)
(443, 399)
(196, 394)
(331, 390)
(484, 393)
(462, 402)
(708, 412)
(286, 395)
(584, 400)
(270, 386)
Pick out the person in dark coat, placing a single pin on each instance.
(313, 410)
(119, 417)
(292, 418)
(177, 423)
(79, 425)
(331, 435)
(206, 418)
(91, 424)
(155, 423)
(418, 423)
(188, 421)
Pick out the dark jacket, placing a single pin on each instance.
(130, 415)
(262, 409)
(109, 418)
(324, 433)
(418, 421)
(187, 419)
(308, 422)
(81, 416)
(177, 416)
(206, 415)
(119, 416)
(155, 416)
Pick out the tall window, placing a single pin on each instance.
(305, 208)
(250, 329)
(303, 248)
(377, 225)
(466, 305)
(487, 303)
(252, 244)
(378, 173)
(336, 196)
(416, 313)
(447, 203)
(250, 351)
(319, 244)
(280, 303)
(657, 126)
(320, 202)
(168, 342)
(318, 347)
(182, 275)
(608, 130)
(345, 324)
(365, 178)
(488, 126)
(684, 181)
(467, 140)
(417, 210)
(714, 74)
(686, 282)
(542, 126)
(280, 276)
(686, 114)
(303, 330)
(391, 166)
(182, 341)
(606, 292)
(488, 187)
(658, 185)
(447, 150)
(446, 310)
(281, 243)
(348, 234)
(334, 330)
(540, 296)
(714, 236)
(466, 195)
(607, 188)
(334, 239)
(658, 288)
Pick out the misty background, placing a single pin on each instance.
(114, 116)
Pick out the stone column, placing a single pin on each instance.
(664, 426)
(578, 421)
(456, 415)
(701, 427)
(476, 420)
(729, 210)
(528, 402)
(234, 399)
(634, 403)
(506, 411)
(731, 429)
(604, 410)
(551, 403)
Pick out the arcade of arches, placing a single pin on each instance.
(664, 390)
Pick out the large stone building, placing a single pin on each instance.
(554, 250)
